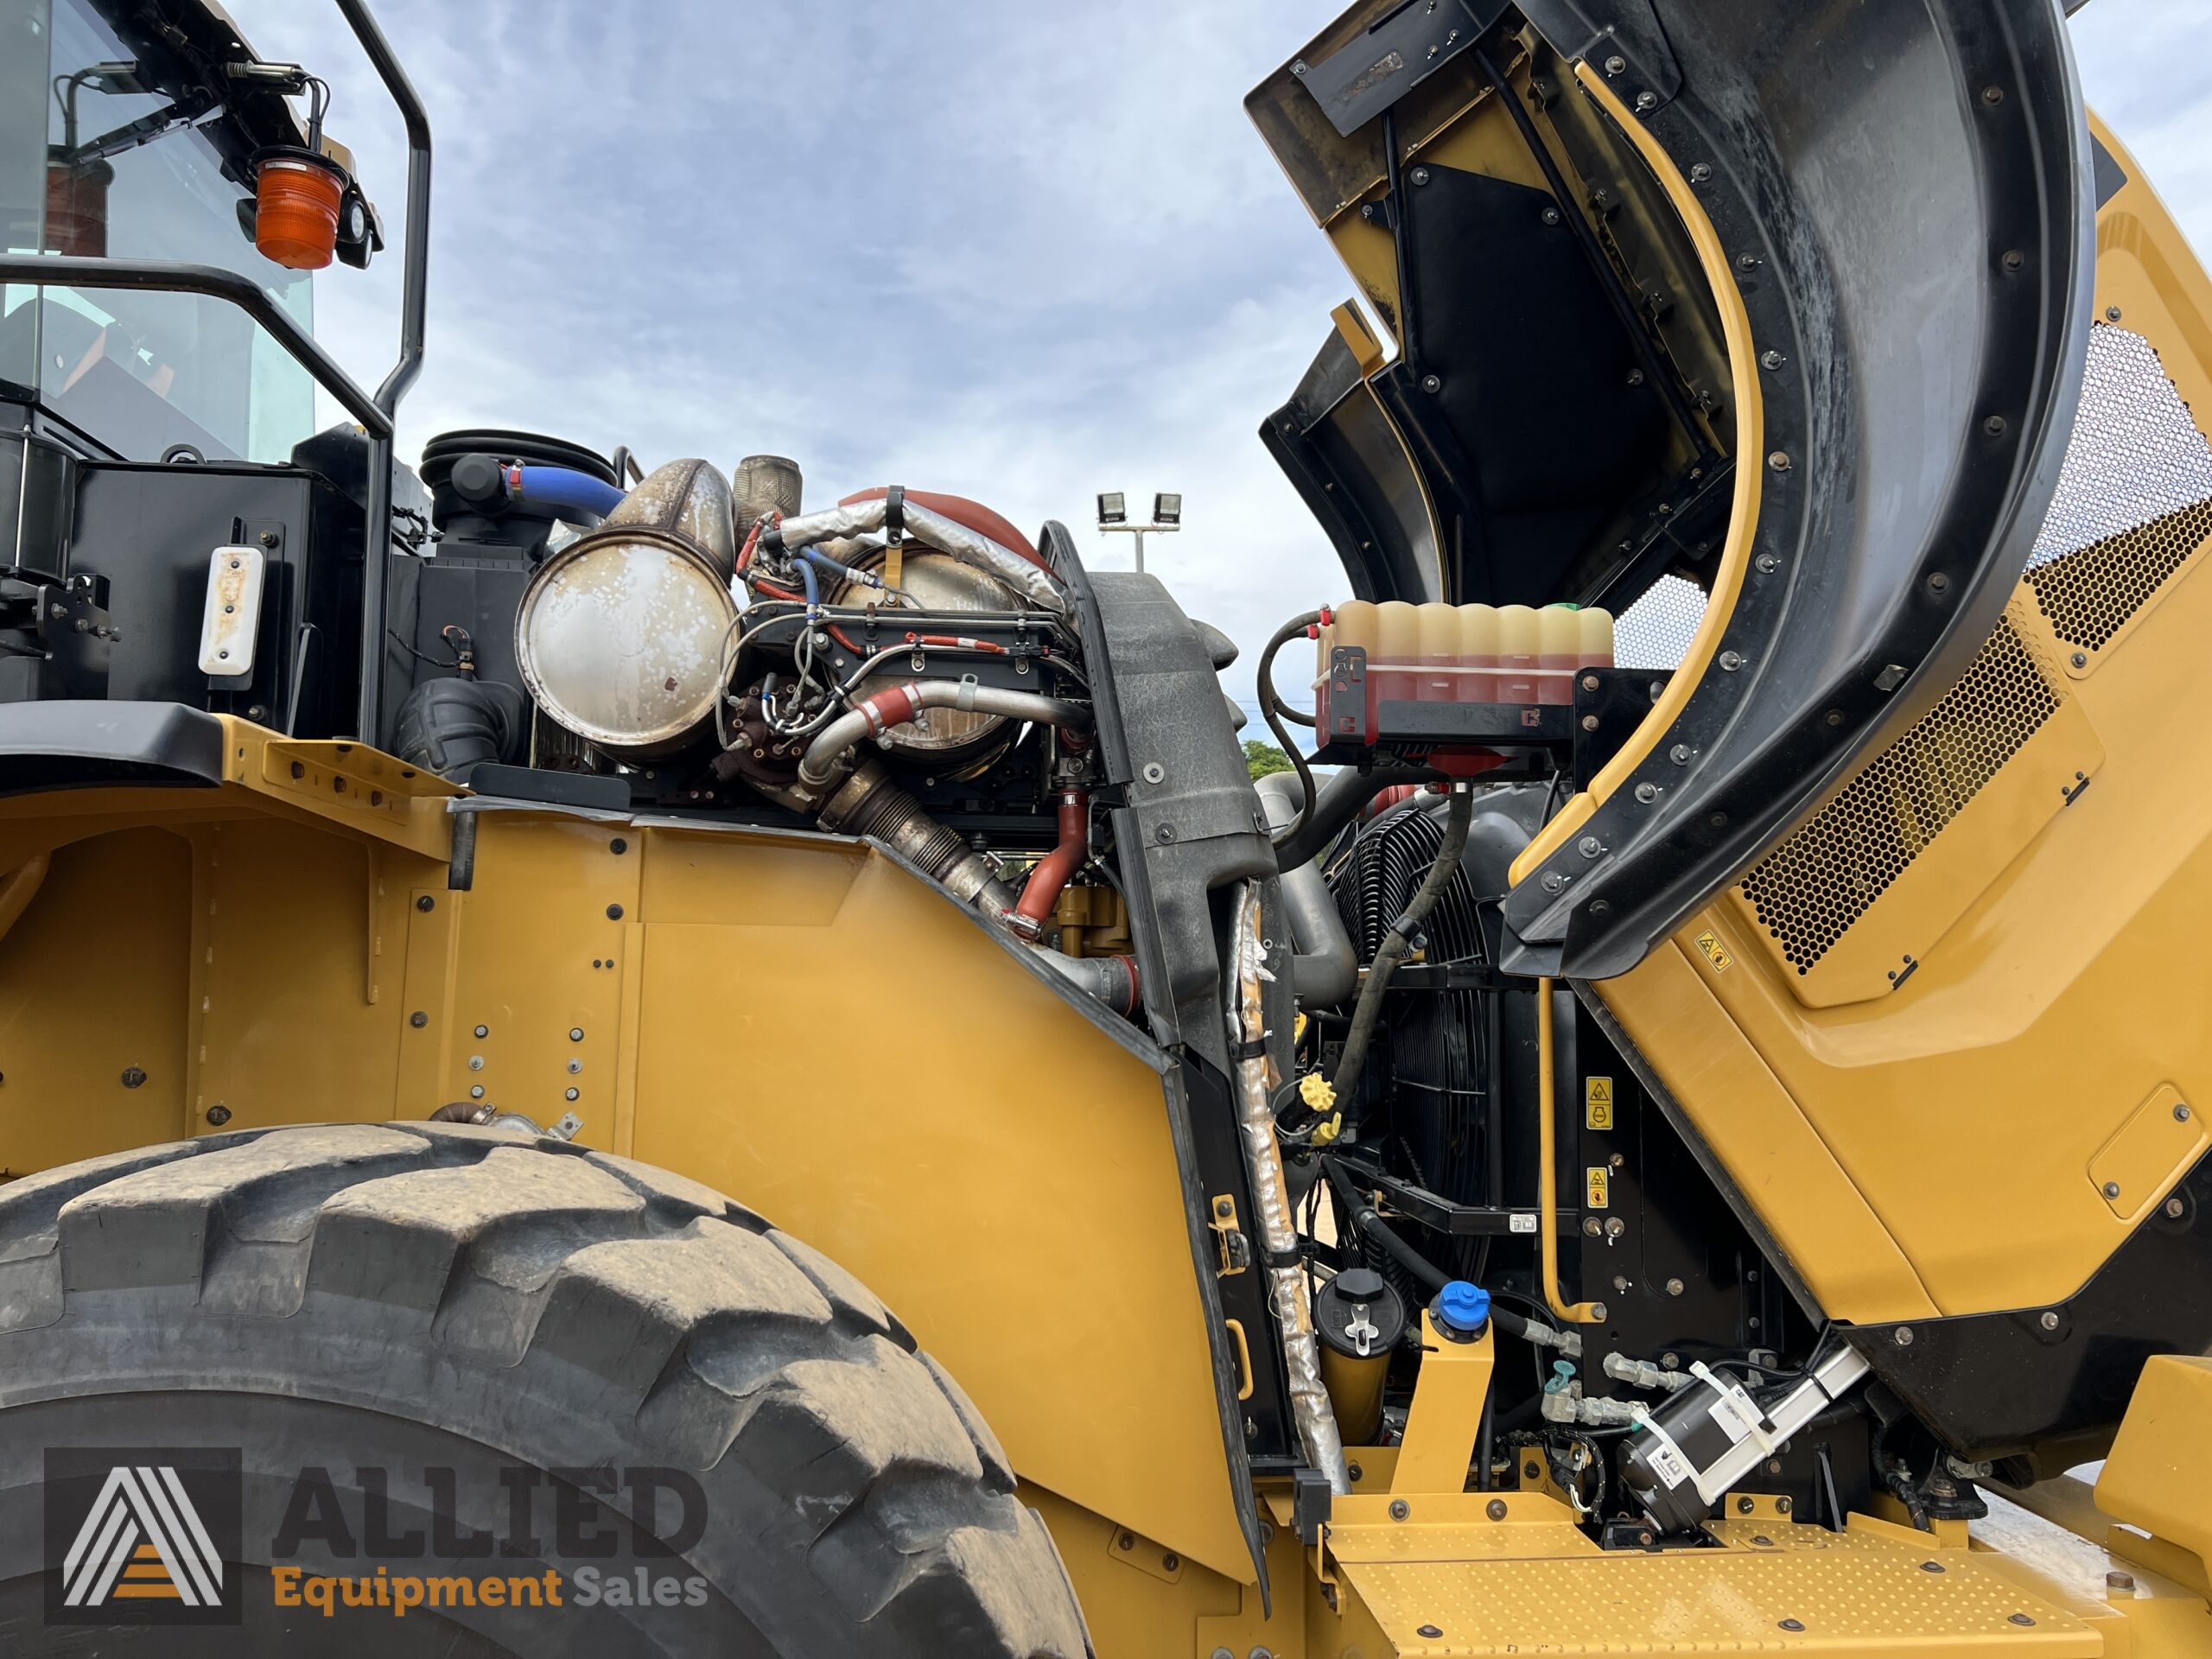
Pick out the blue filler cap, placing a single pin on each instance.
(1463, 1308)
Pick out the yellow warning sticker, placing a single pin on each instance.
(1594, 1178)
(1715, 952)
(1597, 1102)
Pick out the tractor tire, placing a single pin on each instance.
(456, 1342)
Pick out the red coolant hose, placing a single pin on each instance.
(1042, 891)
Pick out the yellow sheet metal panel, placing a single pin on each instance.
(859, 1060)
(1853, 900)
(2152, 1151)
(1841, 1601)
(93, 1056)
(2159, 1473)
(1829, 1235)
(1438, 1447)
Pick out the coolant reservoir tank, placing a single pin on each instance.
(1596, 642)
(622, 634)
(1518, 647)
(1559, 652)
(1440, 653)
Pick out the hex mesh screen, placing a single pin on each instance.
(1655, 632)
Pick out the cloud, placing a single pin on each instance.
(951, 245)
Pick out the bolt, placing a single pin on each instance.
(418, 1018)
(1745, 1506)
(476, 1062)
(1779, 461)
(1647, 793)
(1223, 1207)
(1939, 583)
(1154, 772)
(2079, 659)
(1995, 426)
(1589, 682)
(1731, 661)
(2181, 1114)
(1589, 722)
(1674, 1286)
(1126, 1540)
(476, 1091)
(2048, 1321)
(1589, 846)
(134, 1077)
(1670, 1362)
(1614, 1228)
(1551, 215)
(1598, 1311)
(1400, 1508)
(426, 903)
(483, 1031)
(1700, 174)
(1771, 360)
(219, 1114)
(2119, 1580)
(1531, 1469)
(614, 912)
(1553, 881)
(1793, 1624)
(575, 1066)
(1165, 834)
(2020, 1618)
(1429, 1631)
(1763, 1541)
(2112, 1189)
(1903, 1336)
(1834, 717)
(1432, 384)
(1591, 1226)
(298, 770)
(1680, 753)
(1782, 1506)
(1494, 1509)
(1170, 1562)
(575, 1033)
(2112, 314)
(1350, 1468)
(1616, 64)
(1420, 175)
(1646, 102)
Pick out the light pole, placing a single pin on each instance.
(1114, 516)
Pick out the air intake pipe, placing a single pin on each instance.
(1325, 969)
(874, 716)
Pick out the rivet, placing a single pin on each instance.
(1779, 461)
(618, 845)
(418, 1018)
(426, 903)
(1598, 1312)
(1931, 1566)
(2048, 1321)
(572, 1094)
(2181, 1114)
(575, 1033)
(1635, 379)
(1494, 1509)
(1601, 907)
(1126, 1540)
(1400, 1508)
(483, 1031)
(2020, 1618)
(1531, 1471)
(1763, 1541)
(1171, 1562)
(1429, 1632)
(1164, 834)
(134, 1077)
(1793, 1624)
(1154, 772)
(219, 1114)
(1352, 1468)
(1718, 820)
(2112, 314)
(575, 1066)
(2079, 659)
(2112, 1189)
(614, 912)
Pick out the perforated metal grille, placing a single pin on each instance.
(1655, 632)
(1816, 884)
(2134, 500)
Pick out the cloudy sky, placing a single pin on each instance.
(1021, 253)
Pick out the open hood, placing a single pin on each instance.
(1790, 302)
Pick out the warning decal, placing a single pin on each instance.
(1715, 952)
(1594, 1179)
(1597, 1102)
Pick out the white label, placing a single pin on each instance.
(233, 619)
(1668, 1465)
(1521, 1224)
(1735, 1414)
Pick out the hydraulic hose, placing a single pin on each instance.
(1548, 1165)
(874, 716)
(1272, 712)
(1325, 972)
(1340, 800)
(1398, 945)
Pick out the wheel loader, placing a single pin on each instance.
(609, 1060)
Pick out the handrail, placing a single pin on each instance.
(176, 277)
(413, 310)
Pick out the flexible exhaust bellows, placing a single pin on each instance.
(1025, 576)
